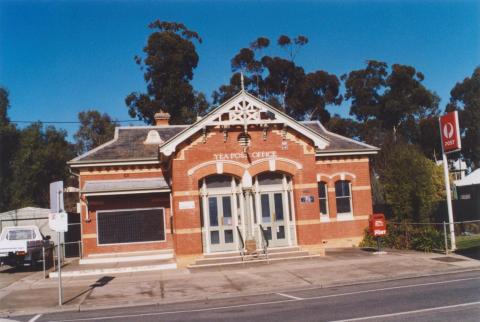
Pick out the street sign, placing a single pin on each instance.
(58, 221)
(450, 132)
(378, 225)
(56, 196)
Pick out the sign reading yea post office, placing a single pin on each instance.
(450, 132)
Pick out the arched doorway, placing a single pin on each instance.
(221, 212)
(273, 208)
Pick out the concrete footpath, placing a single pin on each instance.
(32, 294)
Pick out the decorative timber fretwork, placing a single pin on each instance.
(243, 110)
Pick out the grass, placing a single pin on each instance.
(465, 242)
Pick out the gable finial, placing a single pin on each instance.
(241, 81)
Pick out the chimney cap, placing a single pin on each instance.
(161, 118)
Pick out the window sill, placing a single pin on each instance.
(324, 218)
(345, 217)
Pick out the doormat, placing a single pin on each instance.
(449, 259)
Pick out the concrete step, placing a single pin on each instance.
(237, 252)
(260, 261)
(260, 255)
(140, 253)
(115, 268)
(126, 257)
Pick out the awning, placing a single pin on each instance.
(125, 186)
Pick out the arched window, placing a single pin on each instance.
(343, 197)
(323, 198)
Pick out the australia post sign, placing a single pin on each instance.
(450, 132)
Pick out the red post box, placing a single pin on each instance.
(378, 225)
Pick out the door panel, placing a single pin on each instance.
(221, 229)
(272, 212)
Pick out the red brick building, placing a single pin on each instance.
(202, 188)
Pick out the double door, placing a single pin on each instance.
(273, 218)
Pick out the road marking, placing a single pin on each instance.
(175, 312)
(391, 288)
(296, 299)
(290, 296)
(409, 312)
(35, 318)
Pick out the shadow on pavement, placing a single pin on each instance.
(99, 283)
(473, 252)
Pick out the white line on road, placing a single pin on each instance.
(35, 318)
(390, 288)
(293, 299)
(409, 312)
(290, 296)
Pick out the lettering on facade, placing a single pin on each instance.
(241, 155)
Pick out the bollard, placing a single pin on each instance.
(445, 235)
(43, 261)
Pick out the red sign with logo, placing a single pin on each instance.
(378, 225)
(450, 132)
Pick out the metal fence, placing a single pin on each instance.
(50, 257)
(431, 237)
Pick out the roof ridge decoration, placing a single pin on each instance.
(243, 109)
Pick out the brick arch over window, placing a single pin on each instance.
(274, 164)
(343, 176)
(226, 167)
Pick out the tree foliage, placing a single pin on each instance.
(95, 129)
(281, 82)
(41, 158)
(465, 97)
(8, 146)
(170, 58)
(389, 100)
(413, 184)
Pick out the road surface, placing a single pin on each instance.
(447, 297)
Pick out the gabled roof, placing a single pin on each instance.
(243, 109)
(128, 145)
(340, 144)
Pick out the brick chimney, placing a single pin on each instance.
(162, 118)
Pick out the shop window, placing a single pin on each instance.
(130, 226)
(323, 198)
(344, 198)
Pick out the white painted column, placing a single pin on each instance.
(286, 212)
(206, 217)
(293, 212)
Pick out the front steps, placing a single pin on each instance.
(119, 263)
(233, 259)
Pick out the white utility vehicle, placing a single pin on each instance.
(23, 245)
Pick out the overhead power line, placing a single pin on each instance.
(70, 122)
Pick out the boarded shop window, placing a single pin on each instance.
(343, 196)
(131, 226)
(322, 197)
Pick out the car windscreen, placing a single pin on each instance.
(21, 234)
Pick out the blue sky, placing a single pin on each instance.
(61, 57)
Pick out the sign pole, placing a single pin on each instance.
(449, 201)
(60, 295)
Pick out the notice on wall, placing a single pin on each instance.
(186, 205)
(307, 199)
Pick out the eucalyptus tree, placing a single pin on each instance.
(168, 63)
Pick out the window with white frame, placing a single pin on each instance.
(343, 197)
(323, 198)
(130, 225)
